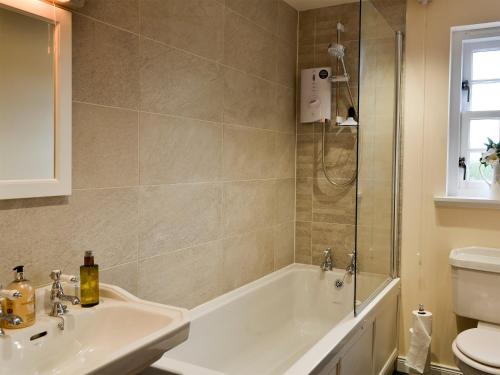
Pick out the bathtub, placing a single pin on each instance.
(293, 321)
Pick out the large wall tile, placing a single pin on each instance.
(332, 204)
(303, 199)
(184, 278)
(174, 149)
(179, 83)
(248, 153)
(285, 110)
(248, 100)
(193, 25)
(120, 13)
(283, 245)
(303, 242)
(248, 47)
(305, 155)
(247, 257)
(102, 220)
(178, 216)
(20, 236)
(285, 200)
(248, 205)
(105, 64)
(104, 146)
(340, 155)
(328, 17)
(124, 275)
(286, 63)
(338, 237)
(263, 12)
(287, 22)
(284, 159)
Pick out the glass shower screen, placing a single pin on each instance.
(377, 154)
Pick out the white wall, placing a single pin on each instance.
(428, 232)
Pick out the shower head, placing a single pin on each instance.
(336, 50)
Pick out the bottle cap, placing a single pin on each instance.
(88, 259)
(19, 272)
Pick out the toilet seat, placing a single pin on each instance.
(481, 345)
(479, 367)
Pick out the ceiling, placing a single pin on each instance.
(312, 4)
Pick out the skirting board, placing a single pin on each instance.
(436, 368)
(388, 368)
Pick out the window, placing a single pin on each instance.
(474, 106)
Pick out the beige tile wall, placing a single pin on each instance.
(183, 150)
(326, 215)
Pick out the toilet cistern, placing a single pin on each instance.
(476, 295)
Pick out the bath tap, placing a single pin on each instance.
(327, 264)
(351, 267)
(9, 318)
(57, 295)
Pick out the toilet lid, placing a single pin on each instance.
(481, 345)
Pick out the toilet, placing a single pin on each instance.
(476, 295)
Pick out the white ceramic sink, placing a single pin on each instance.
(121, 335)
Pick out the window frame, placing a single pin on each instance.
(465, 40)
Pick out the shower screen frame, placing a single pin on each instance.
(393, 273)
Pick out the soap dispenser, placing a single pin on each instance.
(24, 306)
(89, 281)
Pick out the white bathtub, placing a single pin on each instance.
(293, 321)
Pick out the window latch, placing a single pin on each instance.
(461, 164)
(466, 86)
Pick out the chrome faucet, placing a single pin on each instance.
(57, 292)
(327, 264)
(57, 296)
(9, 318)
(351, 267)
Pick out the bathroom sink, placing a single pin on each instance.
(121, 335)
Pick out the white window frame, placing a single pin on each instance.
(464, 41)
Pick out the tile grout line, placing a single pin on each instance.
(180, 117)
(266, 229)
(212, 182)
(138, 234)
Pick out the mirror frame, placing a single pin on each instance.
(61, 183)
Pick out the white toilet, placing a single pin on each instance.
(476, 295)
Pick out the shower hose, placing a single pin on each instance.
(331, 180)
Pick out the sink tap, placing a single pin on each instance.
(327, 264)
(58, 311)
(57, 292)
(57, 296)
(9, 318)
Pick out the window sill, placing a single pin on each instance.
(466, 202)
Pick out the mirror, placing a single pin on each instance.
(35, 100)
(26, 97)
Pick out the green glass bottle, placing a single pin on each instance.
(89, 281)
